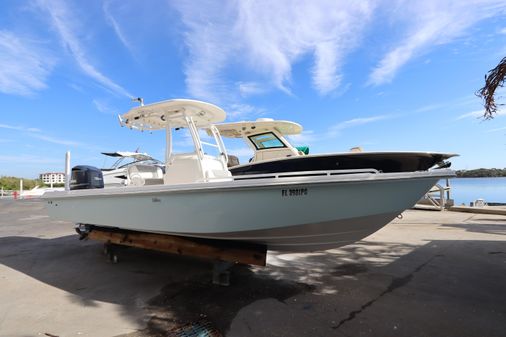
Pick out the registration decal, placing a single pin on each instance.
(294, 192)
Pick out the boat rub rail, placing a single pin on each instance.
(280, 181)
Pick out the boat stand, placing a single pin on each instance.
(221, 272)
(225, 254)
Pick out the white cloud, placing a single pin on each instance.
(24, 159)
(461, 102)
(479, 114)
(114, 24)
(243, 111)
(104, 107)
(497, 129)
(304, 138)
(54, 140)
(250, 88)
(38, 134)
(66, 25)
(475, 114)
(335, 129)
(76, 87)
(18, 128)
(269, 37)
(429, 23)
(265, 39)
(25, 65)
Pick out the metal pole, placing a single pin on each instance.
(221, 146)
(20, 188)
(198, 146)
(194, 132)
(448, 188)
(168, 145)
(67, 171)
(442, 201)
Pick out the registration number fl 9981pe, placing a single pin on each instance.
(293, 192)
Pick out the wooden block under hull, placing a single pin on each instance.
(209, 249)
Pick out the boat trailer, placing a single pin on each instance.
(224, 253)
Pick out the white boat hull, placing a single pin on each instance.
(291, 214)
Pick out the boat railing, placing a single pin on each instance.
(304, 174)
(210, 144)
(7, 194)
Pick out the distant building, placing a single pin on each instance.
(53, 177)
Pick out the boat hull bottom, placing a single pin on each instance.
(312, 237)
(302, 238)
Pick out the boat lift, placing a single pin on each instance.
(224, 254)
(437, 198)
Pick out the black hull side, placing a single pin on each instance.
(384, 162)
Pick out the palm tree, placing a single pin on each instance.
(494, 79)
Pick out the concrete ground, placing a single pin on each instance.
(428, 274)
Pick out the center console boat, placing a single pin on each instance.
(273, 153)
(199, 197)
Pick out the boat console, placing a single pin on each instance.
(181, 168)
(140, 175)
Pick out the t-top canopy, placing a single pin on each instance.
(240, 129)
(157, 115)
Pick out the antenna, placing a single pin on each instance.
(139, 99)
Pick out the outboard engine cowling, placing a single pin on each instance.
(86, 177)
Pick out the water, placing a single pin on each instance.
(466, 190)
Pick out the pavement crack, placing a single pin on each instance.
(396, 283)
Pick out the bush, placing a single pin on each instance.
(12, 183)
(482, 172)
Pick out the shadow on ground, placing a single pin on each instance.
(366, 288)
(187, 295)
(486, 228)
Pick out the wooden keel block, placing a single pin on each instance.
(236, 252)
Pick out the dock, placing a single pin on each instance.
(497, 210)
(425, 274)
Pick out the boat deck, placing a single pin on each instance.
(446, 268)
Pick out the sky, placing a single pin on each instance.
(383, 75)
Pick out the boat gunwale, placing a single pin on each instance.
(249, 184)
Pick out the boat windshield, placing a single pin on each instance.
(151, 161)
(266, 140)
(123, 162)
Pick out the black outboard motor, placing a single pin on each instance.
(86, 177)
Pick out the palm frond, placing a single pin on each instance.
(493, 80)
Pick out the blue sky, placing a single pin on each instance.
(383, 75)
